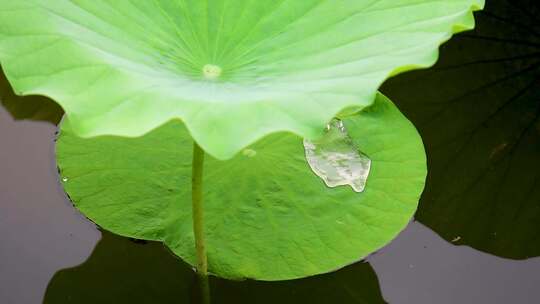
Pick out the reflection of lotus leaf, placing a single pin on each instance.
(28, 107)
(267, 215)
(232, 71)
(120, 271)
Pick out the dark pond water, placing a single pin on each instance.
(476, 238)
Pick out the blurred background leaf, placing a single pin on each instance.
(478, 112)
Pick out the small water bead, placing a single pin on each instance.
(64, 179)
(249, 152)
(211, 71)
(336, 160)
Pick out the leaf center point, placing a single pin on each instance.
(211, 71)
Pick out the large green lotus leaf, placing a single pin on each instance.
(479, 114)
(267, 215)
(232, 71)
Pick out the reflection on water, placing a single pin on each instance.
(420, 267)
(40, 231)
(336, 160)
(29, 107)
(123, 271)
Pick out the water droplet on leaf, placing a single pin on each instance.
(249, 152)
(64, 179)
(336, 160)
